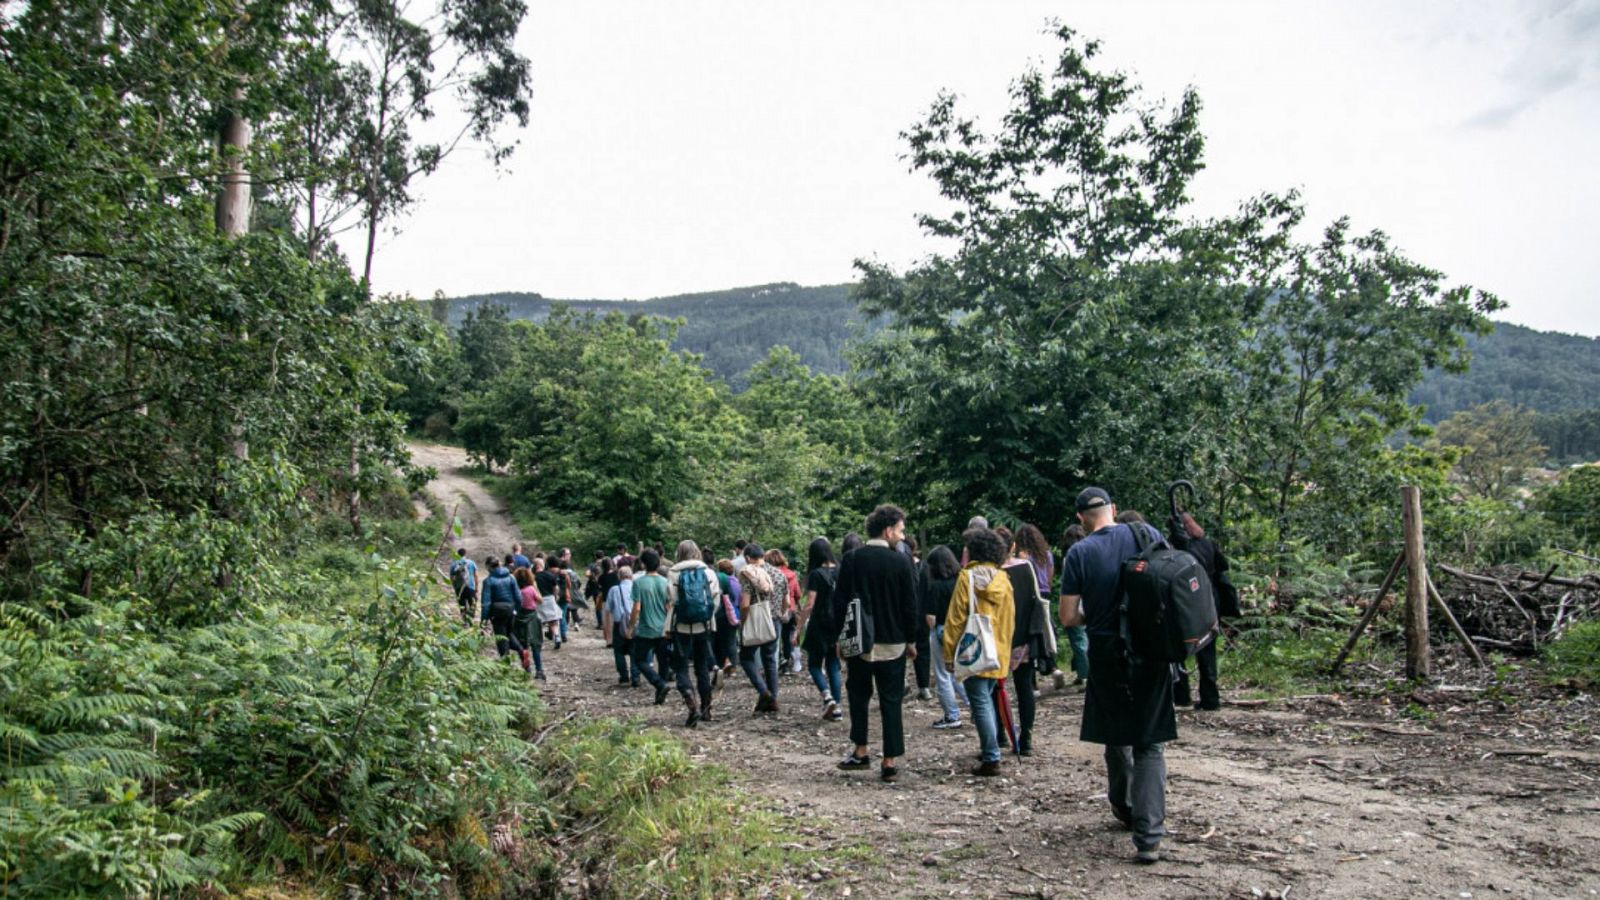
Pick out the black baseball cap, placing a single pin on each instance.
(1093, 498)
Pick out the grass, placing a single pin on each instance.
(652, 822)
(547, 529)
(1575, 658)
(1267, 662)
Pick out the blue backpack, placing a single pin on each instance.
(694, 596)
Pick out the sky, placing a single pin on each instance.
(695, 146)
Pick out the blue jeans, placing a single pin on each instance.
(767, 663)
(563, 625)
(980, 696)
(943, 681)
(827, 685)
(1078, 638)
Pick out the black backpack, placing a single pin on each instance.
(1168, 608)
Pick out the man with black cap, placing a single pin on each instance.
(1128, 704)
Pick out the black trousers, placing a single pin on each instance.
(889, 678)
(693, 649)
(725, 642)
(644, 650)
(1022, 686)
(503, 619)
(922, 665)
(1205, 662)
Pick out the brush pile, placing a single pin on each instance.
(1514, 610)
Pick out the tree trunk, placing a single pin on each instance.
(1418, 661)
(233, 206)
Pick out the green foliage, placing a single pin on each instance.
(1498, 445)
(1575, 658)
(1573, 503)
(1541, 370)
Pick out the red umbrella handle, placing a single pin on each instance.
(1002, 705)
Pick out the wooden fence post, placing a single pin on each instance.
(1418, 663)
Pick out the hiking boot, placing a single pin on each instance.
(705, 707)
(1146, 857)
(661, 694)
(947, 722)
(986, 769)
(772, 706)
(694, 713)
(540, 675)
(853, 762)
(763, 703)
(924, 694)
(889, 773)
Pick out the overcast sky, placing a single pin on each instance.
(692, 146)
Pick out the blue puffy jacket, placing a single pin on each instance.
(500, 587)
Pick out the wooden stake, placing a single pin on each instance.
(1418, 663)
(1370, 614)
(1455, 626)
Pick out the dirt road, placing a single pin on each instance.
(1458, 791)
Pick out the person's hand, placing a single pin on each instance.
(911, 651)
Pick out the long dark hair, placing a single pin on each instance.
(851, 541)
(942, 563)
(1030, 540)
(819, 554)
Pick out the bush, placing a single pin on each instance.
(1575, 658)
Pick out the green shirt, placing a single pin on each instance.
(650, 599)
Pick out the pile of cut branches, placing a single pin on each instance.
(1518, 611)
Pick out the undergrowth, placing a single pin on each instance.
(322, 724)
(1575, 658)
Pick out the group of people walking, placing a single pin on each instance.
(978, 614)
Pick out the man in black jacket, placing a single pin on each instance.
(885, 582)
(1128, 704)
(1184, 533)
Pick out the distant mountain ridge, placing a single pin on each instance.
(1546, 371)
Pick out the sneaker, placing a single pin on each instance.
(661, 694)
(855, 762)
(539, 675)
(829, 708)
(762, 704)
(1146, 857)
(837, 713)
(889, 773)
(924, 694)
(986, 769)
(947, 723)
(623, 681)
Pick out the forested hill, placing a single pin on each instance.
(732, 329)
(1544, 371)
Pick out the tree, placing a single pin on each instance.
(1087, 327)
(1499, 446)
(1573, 503)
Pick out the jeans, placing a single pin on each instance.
(469, 604)
(787, 633)
(1078, 637)
(825, 674)
(943, 680)
(889, 677)
(621, 653)
(767, 664)
(693, 648)
(563, 624)
(643, 650)
(980, 697)
(1137, 786)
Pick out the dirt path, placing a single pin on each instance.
(1467, 795)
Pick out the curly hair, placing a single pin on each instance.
(983, 545)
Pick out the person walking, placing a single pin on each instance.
(1128, 704)
(758, 651)
(547, 581)
(1184, 533)
(694, 595)
(726, 639)
(464, 583)
(789, 661)
(527, 623)
(819, 633)
(647, 624)
(1028, 644)
(501, 596)
(618, 618)
(939, 584)
(885, 583)
(983, 589)
(1077, 636)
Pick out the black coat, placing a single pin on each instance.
(887, 585)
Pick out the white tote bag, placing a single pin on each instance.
(976, 653)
